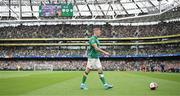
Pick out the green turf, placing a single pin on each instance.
(67, 84)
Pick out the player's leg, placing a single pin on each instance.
(101, 76)
(83, 86)
(100, 71)
(85, 74)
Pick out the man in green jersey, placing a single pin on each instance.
(93, 53)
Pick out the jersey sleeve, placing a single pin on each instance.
(92, 41)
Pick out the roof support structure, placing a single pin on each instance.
(77, 8)
(88, 7)
(115, 14)
(137, 6)
(9, 7)
(97, 11)
(104, 10)
(160, 5)
(107, 9)
(177, 1)
(153, 4)
(100, 8)
(20, 9)
(30, 1)
(123, 7)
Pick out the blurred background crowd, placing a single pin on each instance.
(81, 31)
(114, 50)
(149, 65)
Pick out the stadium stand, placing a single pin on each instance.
(81, 31)
(28, 37)
(151, 65)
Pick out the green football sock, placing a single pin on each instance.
(84, 79)
(102, 78)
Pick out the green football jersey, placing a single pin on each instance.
(91, 52)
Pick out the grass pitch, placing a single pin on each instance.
(67, 84)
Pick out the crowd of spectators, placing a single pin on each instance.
(82, 52)
(108, 65)
(82, 31)
(146, 31)
(48, 52)
(76, 31)
(147, 50)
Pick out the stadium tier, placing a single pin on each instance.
(53, 41)
(81, 31)
(131, 47)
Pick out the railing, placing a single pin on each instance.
(85, 44)
(23, 42)
(85, 39)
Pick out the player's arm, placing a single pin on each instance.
(99, 49)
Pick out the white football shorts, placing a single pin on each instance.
(93, 63)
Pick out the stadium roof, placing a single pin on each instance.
(88, 10)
